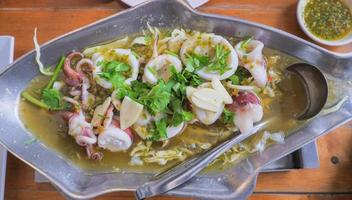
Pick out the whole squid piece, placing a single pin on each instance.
(83, 133)
(112, 137)
(72, 77)
(251, 57)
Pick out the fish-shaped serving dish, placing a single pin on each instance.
(230, 183)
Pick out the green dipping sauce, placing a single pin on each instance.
(328, 19)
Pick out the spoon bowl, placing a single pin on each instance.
(315, 86)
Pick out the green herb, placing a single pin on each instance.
(158, 131)
(152, 70)
(157, 99)
(34, 101)
(141, 88)
(135, 54)
(101, 116)
(181, 116)
(235, 79)
(30, 141)
(52, 98)
(56, 72)
(195, 62)
(245, 42)
(115, 72)
(148, 38)
(228, 116)
(134, 91)
(171, 53)
(242, 73)
(219, 61)
(185, 78)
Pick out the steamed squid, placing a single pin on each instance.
(160, 68)
(251, 57)
(121, 55)
(222, 60)
(81, 130)
(112, 137)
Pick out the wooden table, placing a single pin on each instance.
(333, 180)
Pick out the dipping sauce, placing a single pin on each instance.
(328, 19)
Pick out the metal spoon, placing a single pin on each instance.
(315, 85)
(316, 89)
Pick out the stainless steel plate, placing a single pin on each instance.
(6, 57)
(79, 184)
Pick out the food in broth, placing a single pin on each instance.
(158, 98)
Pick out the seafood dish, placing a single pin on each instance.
(156, 98)
(37, 105)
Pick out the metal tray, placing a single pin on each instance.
(230, 184)
(6, 57)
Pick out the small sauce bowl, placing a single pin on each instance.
(300, 17)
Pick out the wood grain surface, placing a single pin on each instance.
(333, 180)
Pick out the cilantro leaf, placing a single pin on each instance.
(193, 78)
(219, 61)
(115, 72)
(241, 74)
(158, 130)
(171, 53)
(157, 99)
(52, 98)
(152, 70)
(235, 79)
(245, 42)
(181, 116)
(134, 91)
(228, 116)
(196, 62)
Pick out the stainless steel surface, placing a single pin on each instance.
(79, 184)
(6, 57)
(304, 158)
(315, 86)
(186, 170)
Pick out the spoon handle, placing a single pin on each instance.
(188, 169)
